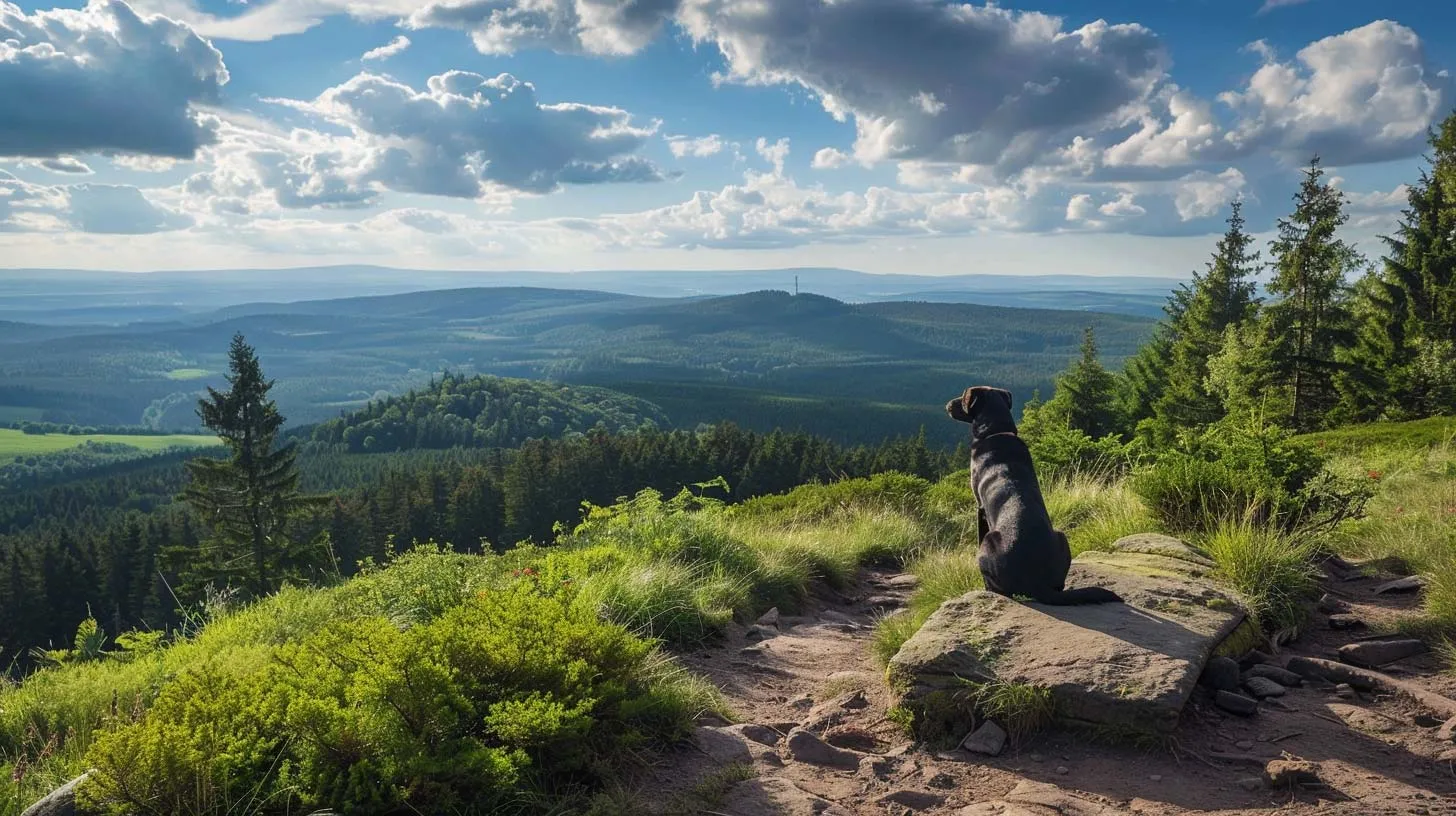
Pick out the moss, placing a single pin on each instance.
(944, 716)
(1245, 638)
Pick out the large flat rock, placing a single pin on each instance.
(1124, 666)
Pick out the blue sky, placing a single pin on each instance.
(915, 136)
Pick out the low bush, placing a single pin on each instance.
(504, 698)
(1240, 467)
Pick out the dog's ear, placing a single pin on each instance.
(1006, 395)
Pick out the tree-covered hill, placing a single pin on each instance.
(485, 412)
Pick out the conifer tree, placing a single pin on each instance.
(1145, 374)
(1310, 318)
(247, 498)
(1085, 397)
(1399, 365)
(1220, 297)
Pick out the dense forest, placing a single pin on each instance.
(484, 412)
(116, 545)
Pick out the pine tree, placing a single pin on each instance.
(1085, 397)
(1222, 296)
(247, 498)
(1310, 319)
(1406, 310)
(1145, 373)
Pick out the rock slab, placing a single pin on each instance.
(60, 802)
(1040, 799)
(805, 747)
(1221, 674)
(1375, 653)
(1282, 676)
(1131, 665)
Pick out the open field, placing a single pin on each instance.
(15, 444)
(187, 373)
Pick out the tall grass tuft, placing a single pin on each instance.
(1273, 571)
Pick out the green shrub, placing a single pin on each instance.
(1239, 468)
(512, 693)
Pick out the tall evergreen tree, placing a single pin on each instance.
(1145, 374)
(1220, 297)
(247, 498)
(1310, 319)
(1400, 362)
(1085, 397)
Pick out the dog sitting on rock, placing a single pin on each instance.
(1021, 553)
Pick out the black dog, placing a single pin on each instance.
(1021, 554)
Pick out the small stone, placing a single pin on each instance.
(1419, 772)
(989, 739)
(1283, 677)
(1036, 757)
(806, 747)
(769, 618)
(772, 758)
(1156, 777)
(1244, 745)
(1256, 657)
(1427, 721)
(1376, 653)
(761, 734)
(1262, 687)
(1330, 605)
(1235, 703)
(1063, 770)
(1250, 783)
(1344, 691)
(1345, 622)
(912, 799)
(941, 780)
(883, 602)
(711, 719)
(1221, 673)
(903, 581)
(757, 633)
(1283, 773)
(1410, 583)
(854, 701)
(802, 702)
(1447, 731)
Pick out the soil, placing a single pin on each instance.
(1374, 754)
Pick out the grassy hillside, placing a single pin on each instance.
(518, 683)
(16, 444)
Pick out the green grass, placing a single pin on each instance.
(670, 571)
(15, 444)
(1273, 572)
(1407, 436)
(187, 373)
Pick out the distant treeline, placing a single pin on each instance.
(107, 545)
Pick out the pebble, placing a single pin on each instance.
(769, 618)
(1156, 777)
(1251, 783)
(989, 739)
(1221, 674)
(1236, 703)
(758, 633)
(1262, 687)
(1344, 691)
(1036, 757)
(1244, 745)
(1063, 770)
(1289, 772)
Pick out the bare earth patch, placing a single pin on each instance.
(815, 685)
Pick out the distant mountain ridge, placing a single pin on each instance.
(81, 296)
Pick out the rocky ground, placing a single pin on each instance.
(814, 737)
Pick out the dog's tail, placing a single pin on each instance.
(1077, 597)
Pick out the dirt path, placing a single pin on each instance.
(1376, 755)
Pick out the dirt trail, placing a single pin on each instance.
(1376, 755)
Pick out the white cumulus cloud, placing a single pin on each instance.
(103, 78)
(392, 48)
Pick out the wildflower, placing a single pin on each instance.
(1374, 475)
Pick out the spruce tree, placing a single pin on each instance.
(247, 498)
(1222, 296)
(1145, 374)
(1310, 318)
(1086, 394)
(1400, 364)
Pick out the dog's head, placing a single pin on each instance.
(965, 407)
